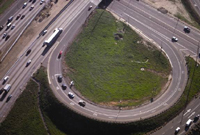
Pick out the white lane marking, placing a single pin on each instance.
(187, 112)
(163, 133)
(191, 114)
(171, 127)
(57, 88)
(95, 114)
(71, 103)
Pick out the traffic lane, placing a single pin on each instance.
(179, 121)
(10, 11)
(19, 25)
(166, 23)
(170, 53)
(167, 31)
(196, 5)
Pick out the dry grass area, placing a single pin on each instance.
(30, 34)
(173, 7)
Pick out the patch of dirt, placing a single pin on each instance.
(50, 11)
(173, 7)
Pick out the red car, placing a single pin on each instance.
(60, 53)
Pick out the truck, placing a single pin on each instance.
(53, 37)
(7, 88)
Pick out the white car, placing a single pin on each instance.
(189, 122)
(44, 32)
(5, 79)
(25, 4)
(13, 26)
(174, 39)
(177, 130)
(71, 95)
(28, 63)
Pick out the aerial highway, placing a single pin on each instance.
(21, 72)
(21, 19)
(147, 21)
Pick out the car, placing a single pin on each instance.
(1, 27)
(44, 32)
(7, 37)
(31, 7)
(41, 2)
(18, 17)
(5, 79)
(177, 130)
(29, 51)
(60, 53)
(174, 39)
(30, 0)
(22, 17)
(64, 86)
(81, 103)
(186, 29)
(189, 122)
(9, 97)
(28, 63)
(33, 1)
(10, 19)
(196, 117)
(90, 7)
(8, 26)
(71, 95)
(60, 78)
(4, 35)
(25, 4)
(13, 26)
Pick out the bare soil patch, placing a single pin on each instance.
(173, 7)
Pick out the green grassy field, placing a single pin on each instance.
(4, 4)
(106, 69)
(24, 118)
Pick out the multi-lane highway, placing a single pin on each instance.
(19, 74)
(150, 23)
(20, 24)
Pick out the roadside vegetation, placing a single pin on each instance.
(4, 4)
(24, 118)
(109, 62)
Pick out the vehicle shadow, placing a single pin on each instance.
(3, 96)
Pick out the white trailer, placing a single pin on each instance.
(53, 37)
(7, 88)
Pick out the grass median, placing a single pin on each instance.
(111, 64)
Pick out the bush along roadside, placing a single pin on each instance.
(72, 123)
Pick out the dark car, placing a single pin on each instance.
(196, 118)
(18, 16)
(64, 86)
(60, 54)
(90, 7)
(186, 29)
(22, 17)
(29, 51)
(10, 19)
(7, 37)
(9, 97)
(60, 78)
(1, 27)
(81, 103)
(34, 1)
(4, 35)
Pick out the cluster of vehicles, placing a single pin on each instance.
(70, 94)
(185, 29)
(188, 123)
(6, 89)
(19, 16)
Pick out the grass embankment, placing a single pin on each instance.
(4, 4)
(24, 118)
(105, 62)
